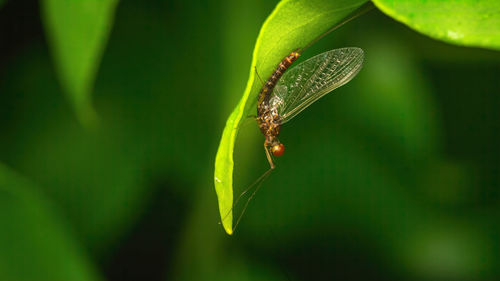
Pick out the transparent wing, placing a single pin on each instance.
(307, 82)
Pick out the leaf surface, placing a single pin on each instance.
(461, 22)
(36, 243)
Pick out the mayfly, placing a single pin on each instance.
(286, 94)
(280, 100)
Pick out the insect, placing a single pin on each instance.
(286, 93)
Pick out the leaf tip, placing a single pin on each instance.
(86, 115)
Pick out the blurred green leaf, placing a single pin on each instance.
(86, 172)
(78, 31)
(34, 243)
(292, 25)
(2, 2)
(462, 22)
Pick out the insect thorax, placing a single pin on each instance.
(269, 123)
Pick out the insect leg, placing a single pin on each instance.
(256, 183)
(259, 182)
(269, 158)
(262, 82)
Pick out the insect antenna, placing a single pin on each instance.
(257, 184)
(256, 72)
(363, 9)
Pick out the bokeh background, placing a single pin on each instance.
(394, 176)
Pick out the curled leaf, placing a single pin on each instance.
(292, 25)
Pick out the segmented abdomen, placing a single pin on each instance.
(267, 89)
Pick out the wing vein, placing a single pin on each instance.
(307, 82)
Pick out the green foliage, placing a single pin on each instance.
(395, 174)
(292, 25)
(35, 243)
(85, 171)
(78, 31)
(462, 22)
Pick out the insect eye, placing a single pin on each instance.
(278, 150)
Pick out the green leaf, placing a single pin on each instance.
(461, 22)
(292, 25)
(35, 243)
(78, 31)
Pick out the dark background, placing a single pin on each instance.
(393, 177)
